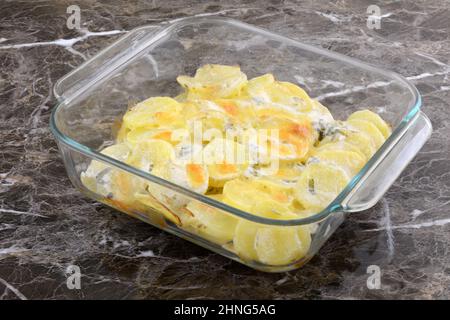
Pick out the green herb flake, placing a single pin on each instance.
(311, 187)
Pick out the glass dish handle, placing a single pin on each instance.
(105, 61)
(372, 187)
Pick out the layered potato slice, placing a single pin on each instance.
(240, 111)
(150, 154)
(295, 137)
(207, 114)
(320, 113)
(361, 140)
(319, 184)
(374, 118)
(282, 245)
(271, 245)
(156, 112)
(158, 157)
(192, 176)
(211, 223)
(265, 90)
(138, 135)
(350, 161)
(364, 130)
(98, 177)
(341, 145)
(148, 200)
(288, 171)
(369, 129)
(214, 81)
(257, 197)
(116, 185)
(226, 160)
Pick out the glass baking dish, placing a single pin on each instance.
(146, 61)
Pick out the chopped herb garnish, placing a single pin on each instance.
(311, 187)
(329, 129)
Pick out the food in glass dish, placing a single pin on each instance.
(260, 145)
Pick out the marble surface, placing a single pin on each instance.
(46, 225)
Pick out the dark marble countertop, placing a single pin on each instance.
(46, 225)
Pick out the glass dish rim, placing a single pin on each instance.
(334, 206)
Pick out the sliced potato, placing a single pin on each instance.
(214, 81)
(148, 200)
(148, 154)
(98, 175)
(122, 133)
(197, 177)
(239, 110)
(264, 89)
(363, 143)
(360, 140)
(226, 160)
(279, 246)
(288, 171)
(270, 109)
(258, 84)
(143, 134)
(369, 129)
(182, 97)
(340, 146)
(374, 119)
(238, 193)
(257, 197)
(256, 88)
(187, 152)
(211, 223)
(289, 93)
(221, 173)
(320, 113)
(350, 161)
(295, 137)
(191, 176)
(244, 240)
(319, 184)
(271, 245)
(209, 114)
(158, 158)
(156, 112)
(278, 190)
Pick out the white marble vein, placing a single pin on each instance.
(334, 17)
(21, 213)
(13, 289)
(432, 223)
(208, 14)
(378, 84)
(388, 227)
(416, 212)
(65, 43)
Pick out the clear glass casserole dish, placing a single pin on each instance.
(146, 62)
